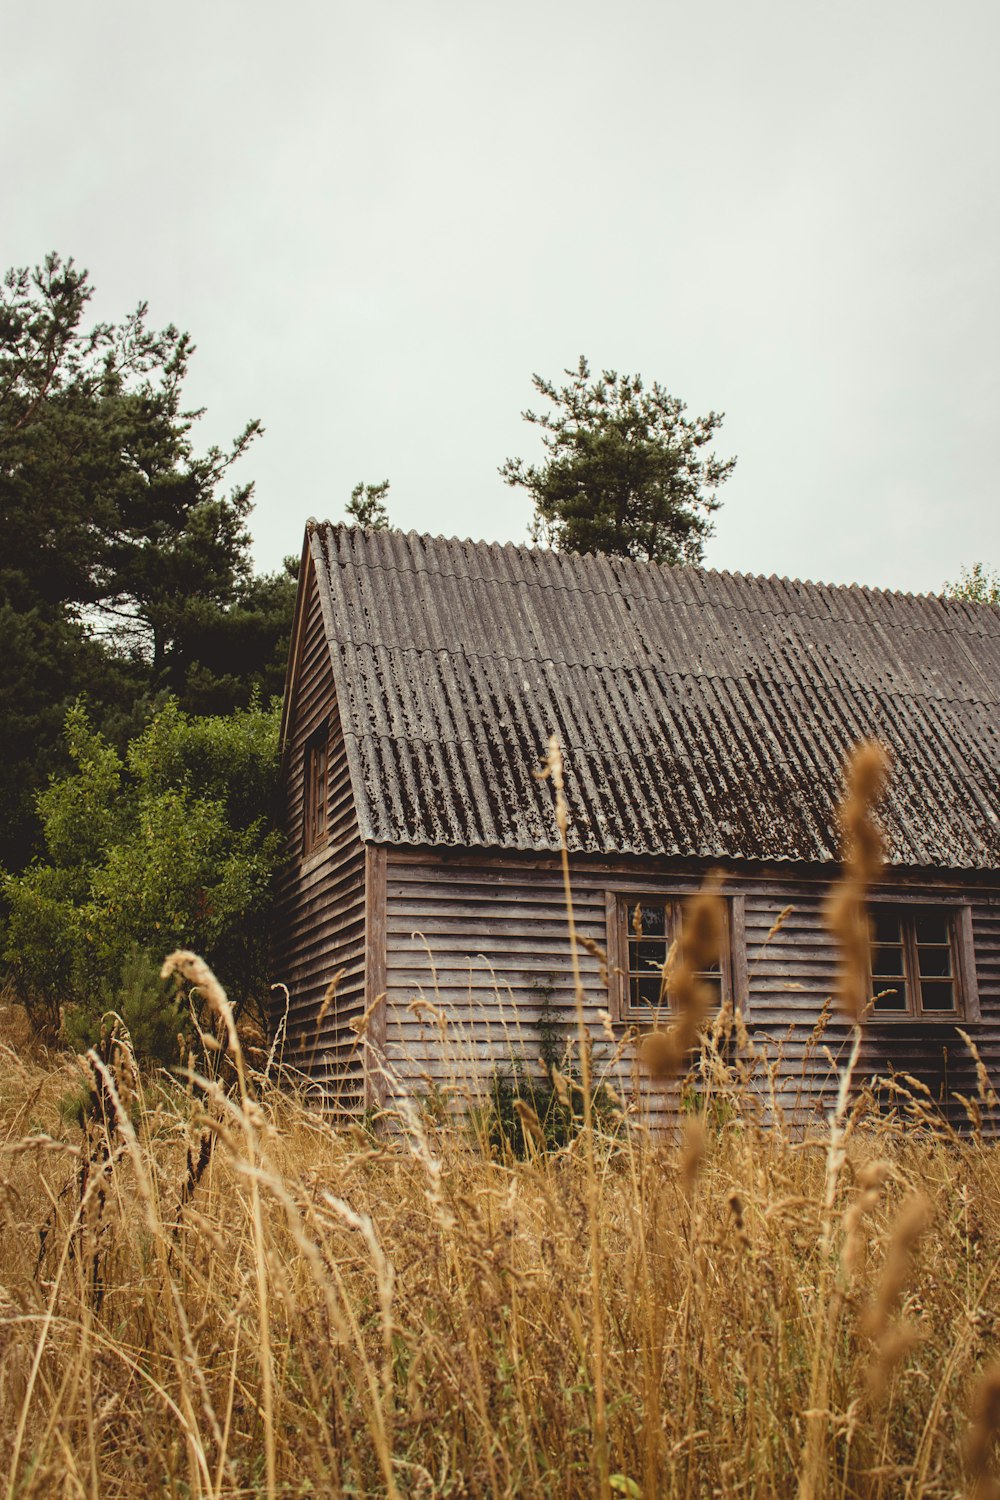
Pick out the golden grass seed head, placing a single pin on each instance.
(895, 1344)
(910, 1225)
(195, 971)
(866, 776)
(693, 1146)
(661, 1052)
(984, 1428)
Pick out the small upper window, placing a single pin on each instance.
(914, 967)
(649, 927)
(315, 789)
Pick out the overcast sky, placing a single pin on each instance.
(377, 220)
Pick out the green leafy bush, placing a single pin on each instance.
(541, 1098)
(548, 1106)
(153, 1014)
(172, 845)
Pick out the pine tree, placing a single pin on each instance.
(626, 472)
(107, 515)
(124, 554)
(366, 507)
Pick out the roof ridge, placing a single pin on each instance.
(789, 580)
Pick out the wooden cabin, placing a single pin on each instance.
(704, 718)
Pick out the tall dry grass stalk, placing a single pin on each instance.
(863, 861)
(867, 774)
(554, 769)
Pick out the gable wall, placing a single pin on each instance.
(482, 937)
(320, 904)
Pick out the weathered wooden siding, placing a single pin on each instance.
(484, 939)
(320, 907)
(791, 976)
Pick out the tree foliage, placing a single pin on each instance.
(165, 846)
(124, 554)
(229, 656)
(626, 472)
(366, 506)
(46, 662)
(107, 512)
(977, 584)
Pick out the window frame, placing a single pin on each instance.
(620, 906)
(316, 790)
(963, 962)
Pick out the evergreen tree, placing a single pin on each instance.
(124, 557)
(366, 507)
(46, 663)
(626, 472)
(225, 658)
(106, 513)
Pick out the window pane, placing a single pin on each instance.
(645, 955)
(886, 926)
(714, 982)
(320, 794)
(644, 991)
(937, 995)
(931, 926)
(889, 998)
(935, 963)
(887, 962)
(654, 920)
(315, 790)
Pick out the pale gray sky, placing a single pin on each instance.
(377, 220)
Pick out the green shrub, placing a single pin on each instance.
(173, 845)
(518, 1096)
(153, 1013)
(547, 1090)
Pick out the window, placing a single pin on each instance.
(916, 965)
(315, 789)
(647, 927)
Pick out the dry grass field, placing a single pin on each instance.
(207, 1290)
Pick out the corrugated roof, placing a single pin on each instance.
(700, 713)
